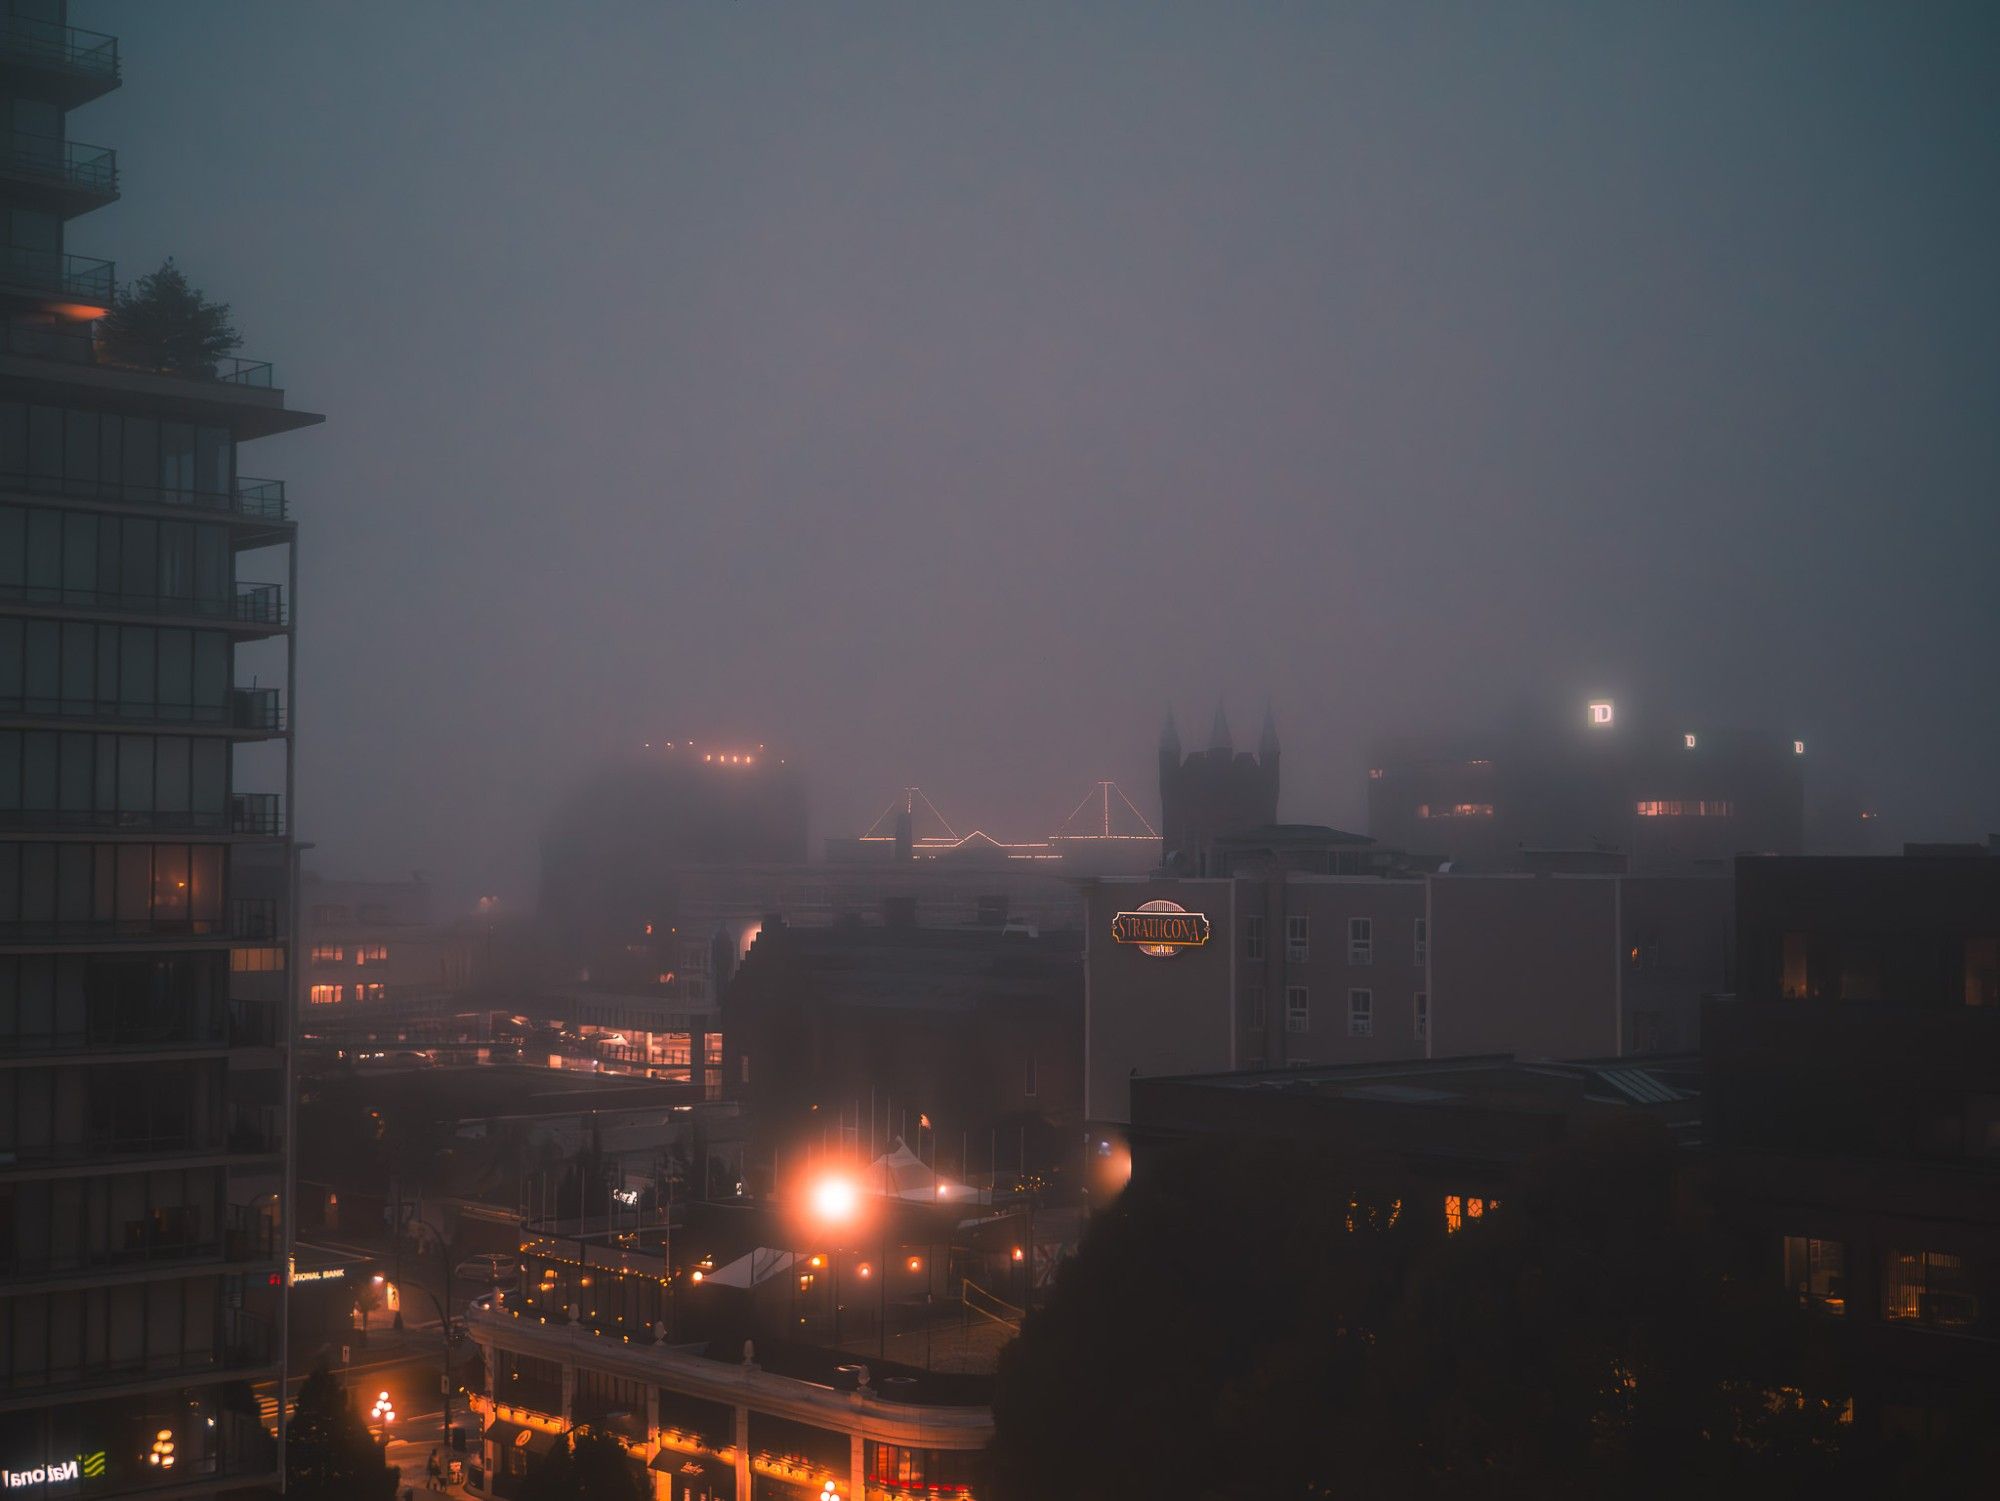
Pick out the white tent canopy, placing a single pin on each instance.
(900, 1173)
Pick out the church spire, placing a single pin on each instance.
(1170, 737)
(1267, 743)
(1218, 735)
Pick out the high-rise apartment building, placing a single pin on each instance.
(145, 850)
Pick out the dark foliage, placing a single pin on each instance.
(1243, 1326)
(160, 322)
(329, 1453)
(588, 1466)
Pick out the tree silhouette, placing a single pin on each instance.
(329, 1455)
(161, 322)
(589, 1466)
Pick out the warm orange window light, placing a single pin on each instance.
(1684, 808)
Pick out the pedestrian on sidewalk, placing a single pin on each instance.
(435, 1471)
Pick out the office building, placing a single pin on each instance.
(1667, 794)
(146, 586)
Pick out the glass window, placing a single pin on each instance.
(13, 438)
(1298, 1009)
(13, 547)
(1360, 1013)
(45, 442)
(213, 454)
(1298, 935)
(176, 457)
(135, 668)
(1253, 939)
(1816, 1271)
(142, 453)
(80, 450)
(176, 689)
(1929, 1288)
(135, 773)
(79, 557)
(210, 786)
(1360, 940)
(172, 773)
(138, 574)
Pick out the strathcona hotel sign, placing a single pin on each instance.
(1161, 929)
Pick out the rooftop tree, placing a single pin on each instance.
(162, 322)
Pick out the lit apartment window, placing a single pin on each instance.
(1684, 808)
(1454, 810)
(1360, 1013)
(256, 961)
(1929, 1288)
(1360, 940)
(372, 953)
(328, 953)
(1255, 1001)
(1298, 1012)
(1460, 1211)
(1423, 944)
(1298, 939)
(1423, 1010)
(1816, 1271)
(324, 995)
(1253, 939)
(375, 992)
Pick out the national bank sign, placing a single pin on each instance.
(83, 1467)
(1161, 929)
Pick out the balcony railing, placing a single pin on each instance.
(257, 813)
(48, 341)
(94, 169)
(247, 604)
(118, 820)
(250, 920)
(246, 1131)
(259, 499)
(247, 709)
(107, 1025)
(47, 45)
(81, 277)
(256, 709)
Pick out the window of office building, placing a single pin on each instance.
(1298, 935)
(1360, 940)
(1360, 1013)
(1930, 1288)
(324, 995)
(1816, 1272)
(328, 953)
(371, 953)
(81, 781)
(1253, 939)
(78, 668)
(85, 888)
(57, 557)
(1298, 1009)
(1254, 999)
(256, 961)
(371, 992)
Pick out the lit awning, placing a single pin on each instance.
(519, 1436)
(695, 1475)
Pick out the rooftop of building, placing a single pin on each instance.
(1290, 836)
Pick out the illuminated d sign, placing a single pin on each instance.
(1161, 929)
(1601, 711)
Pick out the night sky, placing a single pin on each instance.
(936, 392)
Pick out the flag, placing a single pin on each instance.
(923, 1122)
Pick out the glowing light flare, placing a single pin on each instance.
(835, 1200)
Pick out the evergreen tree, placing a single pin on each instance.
(329, 1454)
(160, 322)
(590, 1466)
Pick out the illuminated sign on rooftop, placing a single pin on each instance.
(1161, 929)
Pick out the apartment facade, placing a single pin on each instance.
(145, 850)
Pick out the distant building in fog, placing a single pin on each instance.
(1669, 795)
(1213, 792)
(613, 852)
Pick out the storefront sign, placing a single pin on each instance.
(321, 1274)
(55, 1472)
(1161, 929)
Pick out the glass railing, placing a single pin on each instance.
(250, 920)
(249, 604)
(261, 499)
(48, 45)
(49, 341)
(80, 276)
(257, 709)
(94, 169)
(105, 1026)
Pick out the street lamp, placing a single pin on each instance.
(834, 1202)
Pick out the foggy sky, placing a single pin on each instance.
(935, 392)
